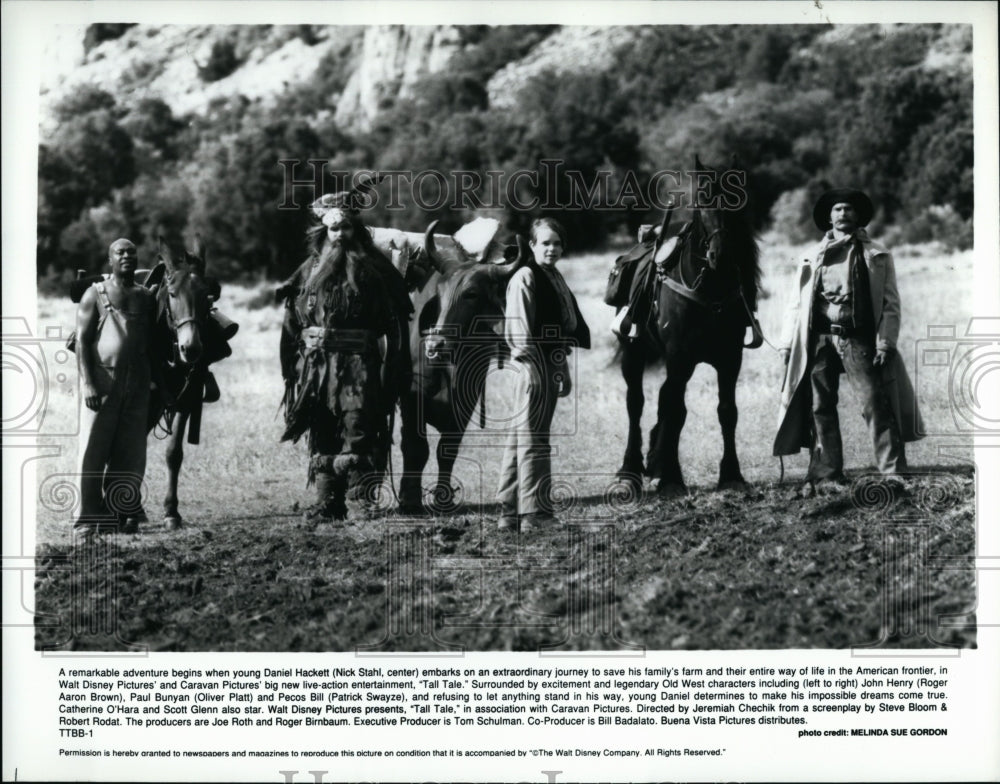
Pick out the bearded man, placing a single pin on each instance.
(843, 318)
(339, 324)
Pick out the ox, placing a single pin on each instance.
(458, 291)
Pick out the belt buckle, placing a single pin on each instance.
(312, 337)
(837, 330)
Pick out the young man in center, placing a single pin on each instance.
(543, 323)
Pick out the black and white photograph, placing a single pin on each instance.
(626, 373)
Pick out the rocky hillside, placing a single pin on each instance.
(379, 64)
(190, 129)
(569, 50)
(173, 62)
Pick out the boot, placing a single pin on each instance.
(361, 488)
(329, 504)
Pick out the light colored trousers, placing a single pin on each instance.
(831, 357)
(112, 451)
(526, 468)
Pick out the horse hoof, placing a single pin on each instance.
(413, 510)
(174, 522)
(671, 490)
(733, 484)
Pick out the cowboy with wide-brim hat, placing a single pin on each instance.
(858, 199)
(843, 318)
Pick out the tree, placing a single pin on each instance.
(152, 122)
(222, 61)
(90, 156)
(239, 205)
(873, 141)
(99, 33)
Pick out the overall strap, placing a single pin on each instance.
(102, 295)
(107, 308)
(104, 304)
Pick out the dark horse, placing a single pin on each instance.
(190, 337)
(693, 305)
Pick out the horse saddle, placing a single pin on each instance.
(668, 254)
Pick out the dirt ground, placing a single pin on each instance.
(715, 570)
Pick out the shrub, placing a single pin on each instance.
(89, 157)
(937, 223)
(152, 122)
(99, 33)
(221, 62)
(791, 216)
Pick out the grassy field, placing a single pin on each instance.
(760, 569)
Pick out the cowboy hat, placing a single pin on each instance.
(857, 199)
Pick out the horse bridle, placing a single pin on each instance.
(176, 325)
(705, 244)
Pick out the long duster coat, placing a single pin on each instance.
(795, 409)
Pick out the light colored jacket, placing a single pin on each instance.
(795, 408)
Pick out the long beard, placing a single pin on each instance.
(335, 279)
(337, 262)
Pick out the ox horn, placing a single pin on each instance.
(523, 254)
(196, 260)
(163, 251)
(430, 249)
(199, 249)
(361, 192)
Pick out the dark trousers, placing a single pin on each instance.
(112, 453)
(349, 434)
(832, 356)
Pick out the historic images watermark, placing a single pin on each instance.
(966, 365)
(551, 186)
(908, 514)
(41, 421)
(44, 368)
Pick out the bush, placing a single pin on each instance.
(937, 223)
(237, 190)
(221, 62)
(55, 282)
(83, 100)
(90, 156)
(152, 122)
(894, 126)
(99, 33)
(791, 216)
(800, 105)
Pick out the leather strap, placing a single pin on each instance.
(694, 296)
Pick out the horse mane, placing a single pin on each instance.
(744, 236)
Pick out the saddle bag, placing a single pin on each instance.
(616, 294)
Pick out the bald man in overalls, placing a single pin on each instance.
(114, 325)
